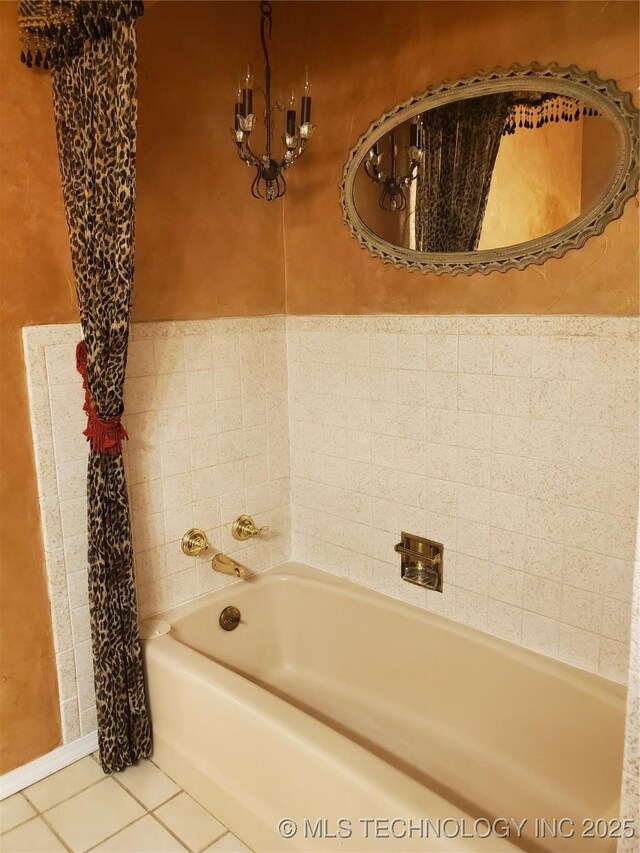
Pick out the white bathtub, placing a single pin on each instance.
(330, 701)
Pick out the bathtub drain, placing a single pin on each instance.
(229, 618)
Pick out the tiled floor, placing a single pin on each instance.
(138, 811)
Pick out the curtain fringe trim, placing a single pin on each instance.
(52, 31)
(106, 436)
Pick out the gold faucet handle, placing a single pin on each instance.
(194, 542)
(244, 527)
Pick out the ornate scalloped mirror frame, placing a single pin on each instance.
(604, 95)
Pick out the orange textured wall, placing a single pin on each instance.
(366, 57)
(205, 248)
(35, 275)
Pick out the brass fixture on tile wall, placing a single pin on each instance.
(194, 542)
(244, 527)
(421, 561)
(228, 566)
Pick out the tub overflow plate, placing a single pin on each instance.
(229, 618)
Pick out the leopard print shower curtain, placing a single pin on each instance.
(93, 69)
(461, 142)
(94, 96)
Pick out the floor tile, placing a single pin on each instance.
(229, 843)
(14, 811)
(147, 783)
(190, 821)
(143, 836)
(65, 783)
(94, 815)
(34, 836)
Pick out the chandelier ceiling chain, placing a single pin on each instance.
(266, 16)
(269, 182)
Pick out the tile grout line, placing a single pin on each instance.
(22, 822)
(139, 801)
(174, 796)
(113, 834)
(55, 833)
(182, 840)
(215, 841)
(66, 799)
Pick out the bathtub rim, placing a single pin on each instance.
(593, 684)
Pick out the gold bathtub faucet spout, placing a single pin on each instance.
(228, 566)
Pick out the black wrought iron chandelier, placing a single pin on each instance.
(393, 196)
(269, 182)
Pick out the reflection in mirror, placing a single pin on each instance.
(487, 172)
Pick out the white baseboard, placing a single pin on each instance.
(20, 778)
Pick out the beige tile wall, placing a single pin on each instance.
(206, 409)
(511, 440)
(630, 804)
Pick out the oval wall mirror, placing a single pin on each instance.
(493, 172)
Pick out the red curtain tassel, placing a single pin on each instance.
(105, 436)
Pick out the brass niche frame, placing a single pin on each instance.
(606, 97)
